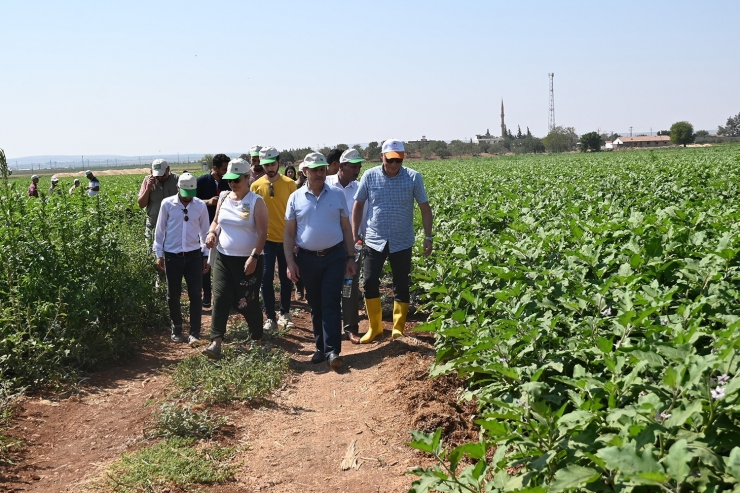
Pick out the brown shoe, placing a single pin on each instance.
(353, 338)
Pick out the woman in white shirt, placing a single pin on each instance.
(238, 233)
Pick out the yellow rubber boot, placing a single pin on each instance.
(375, 316)
(400, 310)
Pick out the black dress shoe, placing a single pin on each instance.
(334, 360)
(318, 357)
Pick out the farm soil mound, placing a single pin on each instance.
(293, 441)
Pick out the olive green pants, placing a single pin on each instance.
(232, 289)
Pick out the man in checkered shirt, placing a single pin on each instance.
(390, 191)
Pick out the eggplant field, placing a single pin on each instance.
(591, 304)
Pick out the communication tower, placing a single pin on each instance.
(551, 118)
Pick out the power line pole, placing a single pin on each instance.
(551, 115)
(630, 131)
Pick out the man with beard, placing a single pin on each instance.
(257, 170)
(317, 221)
(275, 190)
(333, 159)
(209, 188)
(156, 187)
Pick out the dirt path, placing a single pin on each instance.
(296, 442)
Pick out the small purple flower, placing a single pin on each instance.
(662, 416)
(718, 393)
(723, 379)
(606, 312)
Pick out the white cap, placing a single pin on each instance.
(314, 160)
(351, 156)
(236, 168)
(254, 151)
(394, 147)
(54, 179)
(188, 185)
(88, 172)
(159, 166)
(301, 165)
(35, 177)
(268, 155)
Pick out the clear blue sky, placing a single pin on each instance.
(143, 77)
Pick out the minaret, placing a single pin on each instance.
(503, 125)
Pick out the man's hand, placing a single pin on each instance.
(212, 201)
(293, 272)
(206, 267)
(427, 247)
(160, 264)
(151, 180)
(351, 266)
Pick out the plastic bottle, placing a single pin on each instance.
(347, 286)
(358, 251)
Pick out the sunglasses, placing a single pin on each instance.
(394, 160)
(234, 180)
(272, 190)
(186, 215)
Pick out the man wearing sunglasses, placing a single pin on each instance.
(389, 191)
(180, 247)
(210, 187)
(275, 190)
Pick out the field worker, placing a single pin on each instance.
(156, 187)
(54, 189)
(75, 186)
(93, 188)
(257, 170)
(350, 163)
(275, 190)
(180, 246)
(238, 234)
(333, 159)
(389, 191)
(33, 189)
(317, 221)
(210, 187)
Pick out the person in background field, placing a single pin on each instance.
(238, 233)
(275, 190)
(156, 187)
(93, 188)
(210, 187)
(290, 173)
(390, 191)
(54, 189)
(76, 186)
(301, 176)
(350, 164)
(333, 159)
(33, 189)
(180, 246)
(257, 170)
(317, 222)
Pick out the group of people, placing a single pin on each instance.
(92, 189)
(244, 217)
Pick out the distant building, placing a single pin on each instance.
(642, 141)
(421, 143)
(486, 138)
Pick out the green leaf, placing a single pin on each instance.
(628, 461)
(605, 345)
(732, 463)
(426, 442)
(684, 412)
(573, 476)
(677, 461)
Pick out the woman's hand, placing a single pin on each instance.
(211, 239)
(250, 265)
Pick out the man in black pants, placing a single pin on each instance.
(180, 247)
(209, 188)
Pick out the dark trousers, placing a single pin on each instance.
(189, 266)
(207, 287)
(274, 251)
(232, 289)
(351, 305)
(322, 278)
(400, 266)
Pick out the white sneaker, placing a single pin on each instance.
(284, 320)
(270, 326)
(193, 341)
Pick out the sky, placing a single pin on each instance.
(147, 77)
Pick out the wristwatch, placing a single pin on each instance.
(255, 256)
(429, 238)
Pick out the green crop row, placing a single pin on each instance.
(591, 304)
(76, 283)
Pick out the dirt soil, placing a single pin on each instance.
(295, 441)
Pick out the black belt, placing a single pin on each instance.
(184, 254)
(320, 253)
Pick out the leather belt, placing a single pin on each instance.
(320, 253)
(184, 254)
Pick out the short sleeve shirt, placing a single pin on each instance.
(276, 202)
(318, 219)
(389, 205)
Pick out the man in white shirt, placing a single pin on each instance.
(180, 247)
(350, 164)
(94, 187)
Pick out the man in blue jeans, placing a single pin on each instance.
(317, 221)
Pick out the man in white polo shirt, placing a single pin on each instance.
(317, 221)
(180, 247)
(350, 164)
